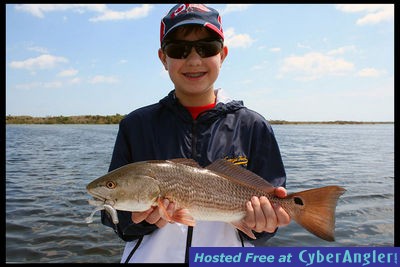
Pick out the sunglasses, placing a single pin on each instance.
(181, 49)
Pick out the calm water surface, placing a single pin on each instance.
(48, 167)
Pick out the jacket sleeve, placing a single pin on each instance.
(125, 229)
(266, 161)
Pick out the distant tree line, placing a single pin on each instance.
(85, 119)
(115, 119)
(328, 122)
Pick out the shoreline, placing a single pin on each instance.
(115, 119)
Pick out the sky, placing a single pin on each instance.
(293, 62)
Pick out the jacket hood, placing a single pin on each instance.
(223, 107)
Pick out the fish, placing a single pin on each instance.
(217, 192)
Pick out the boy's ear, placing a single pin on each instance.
(162, 58)
(224, 54)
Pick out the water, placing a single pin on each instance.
(48, 167)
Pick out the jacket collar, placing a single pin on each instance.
(223, 107)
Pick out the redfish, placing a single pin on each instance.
(217, 192)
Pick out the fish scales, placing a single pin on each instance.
(205, 194)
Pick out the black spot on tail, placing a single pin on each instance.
(298, 201)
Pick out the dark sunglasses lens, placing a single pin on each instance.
(208, 49)
(181, 50)
(177, 50)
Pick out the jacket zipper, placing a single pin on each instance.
(194, 156)
(194, 140)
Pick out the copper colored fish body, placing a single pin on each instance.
(215, 193)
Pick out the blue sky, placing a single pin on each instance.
(295, 62)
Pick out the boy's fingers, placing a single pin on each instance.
(249, 219)
(269, 215)
(282, 217)
(137, 217)
(280, 192)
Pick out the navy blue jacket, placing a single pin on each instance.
(166, 130)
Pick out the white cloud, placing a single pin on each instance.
(234, 8)
(106, 14)
(342, 50)
(54, 84)
(314, 65)
(375, 13)
(300, 45)
(38, 10)
(75, 80)
(369, 72)
(134, 13)
(42, 62)
(237, 40)
(379, 16)
(351, 8)
(67, 73)
(275, 49)
(103, 79)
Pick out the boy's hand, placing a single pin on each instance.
(263, 216)
(153, 216)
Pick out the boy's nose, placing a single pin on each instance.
(194, 57)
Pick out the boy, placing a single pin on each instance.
(195, 121)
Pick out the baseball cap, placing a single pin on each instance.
(185, 14)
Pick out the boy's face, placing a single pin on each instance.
(194, 76)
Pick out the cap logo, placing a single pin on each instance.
(189, 8)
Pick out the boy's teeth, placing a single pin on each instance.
(194, 75)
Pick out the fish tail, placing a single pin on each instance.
(315, 210)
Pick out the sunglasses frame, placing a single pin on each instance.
(188, 45)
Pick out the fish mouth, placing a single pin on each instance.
(100, 201)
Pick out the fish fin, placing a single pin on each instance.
(163, 210)
(183, 216)
(187, 162)
(184, 161)
(315, 210)
(244, 228)
(240, 175)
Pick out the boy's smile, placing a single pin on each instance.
(194, 75)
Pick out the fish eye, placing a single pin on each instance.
(111, 184)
